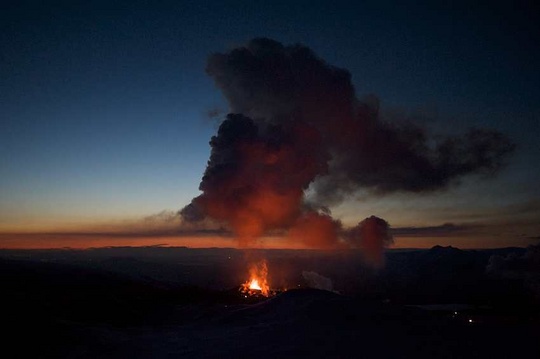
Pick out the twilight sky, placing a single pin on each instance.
(105, 109)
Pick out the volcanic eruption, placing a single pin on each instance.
(257, 284)
(298, 140)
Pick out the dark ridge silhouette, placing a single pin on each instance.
(105, 303)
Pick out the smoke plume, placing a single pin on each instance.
(296, 123)
(372, 235)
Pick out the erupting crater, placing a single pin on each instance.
(257, 284)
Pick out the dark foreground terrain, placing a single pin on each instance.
(177, 302)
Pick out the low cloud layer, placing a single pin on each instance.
(445, 229)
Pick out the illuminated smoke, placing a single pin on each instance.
(296, 123)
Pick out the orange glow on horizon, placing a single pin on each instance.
(84, 241)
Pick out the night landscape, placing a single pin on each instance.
(296, 179)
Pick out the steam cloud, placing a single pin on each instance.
(296, 123)
(317, 281)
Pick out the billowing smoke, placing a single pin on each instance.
(296, 123)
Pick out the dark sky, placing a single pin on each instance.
(104, 107)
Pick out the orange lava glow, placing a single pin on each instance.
(254, 284)
(257, 284)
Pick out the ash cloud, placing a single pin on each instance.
(278, 84)
(296, 123)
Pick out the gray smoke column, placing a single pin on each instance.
(295, 123)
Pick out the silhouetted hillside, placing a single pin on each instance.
(145, 303)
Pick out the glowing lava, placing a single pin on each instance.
(257, 283)
(254, 284)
